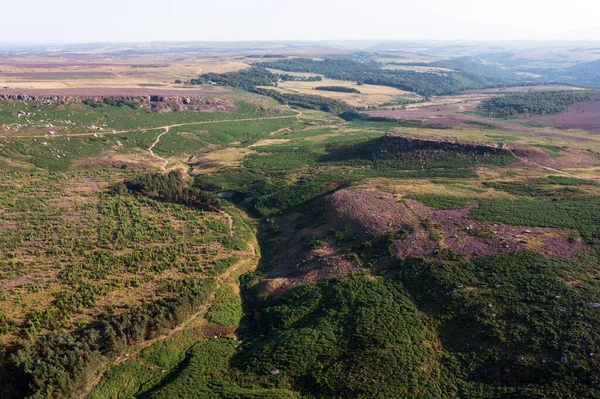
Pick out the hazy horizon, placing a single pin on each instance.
(136, 21)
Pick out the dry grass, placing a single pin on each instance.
(421, 69)
(469, 189)
(264, 142)
(50, 72)
(370, 95)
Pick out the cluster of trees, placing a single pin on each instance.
(371, 72)
(113, 102)
(340, 89)
(59, 364)
(246, 79)
(533, 103)
(169, 188)
(307, 101)
(66, 304)
(249, 79)
(292, 78)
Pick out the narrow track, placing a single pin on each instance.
(562, 172)
(155, 127)
(166, 161)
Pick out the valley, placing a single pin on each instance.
(300, 224)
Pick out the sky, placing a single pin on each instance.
(80, 21)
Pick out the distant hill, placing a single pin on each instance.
(584, 74)
(474, 68)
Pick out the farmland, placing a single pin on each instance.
(249, 236)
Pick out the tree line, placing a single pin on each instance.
(339, 89)
(533, 103)
(250, 79)
(371, 72)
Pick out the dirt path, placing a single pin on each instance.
(135, 351)
(249, 262)
(154, 145)
(156, 127)
(553, 170)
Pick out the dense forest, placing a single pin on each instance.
(169, 188)
(533, 103)
(340, 89)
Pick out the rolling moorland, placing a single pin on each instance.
(298, 225)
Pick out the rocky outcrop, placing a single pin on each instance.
(155, 102)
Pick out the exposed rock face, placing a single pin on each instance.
(154, 102)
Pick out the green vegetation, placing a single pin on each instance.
(340, 89)
(58, 365)
(341, 161)
(441, 201)
(249, 79)
(581, 214)
(202, 376)
(133, 275)
(342, 339)
(371, 72)
(533, 103)
(511, 325)
(169, 188)
(227, 309)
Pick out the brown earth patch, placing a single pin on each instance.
(8, 224)
(10, 284)
(429, 233)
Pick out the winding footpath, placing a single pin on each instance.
(165, 161)
(229, 277)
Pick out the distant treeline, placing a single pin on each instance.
(292, 78)
(267, 56)
(534, 103)
(425, 84)
(341, 89)
(249, 79)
